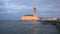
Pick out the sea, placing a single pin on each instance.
(27, 27)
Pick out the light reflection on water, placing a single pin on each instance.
(26, 27)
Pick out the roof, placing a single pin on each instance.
(28, 15)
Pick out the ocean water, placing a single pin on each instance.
(27, 27)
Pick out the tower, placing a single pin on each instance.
(34, 10)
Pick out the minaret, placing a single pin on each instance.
(34, 7)
(35, 16)
(34, 10)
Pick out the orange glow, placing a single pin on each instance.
(34, 17)
(29, 18)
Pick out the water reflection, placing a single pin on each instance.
(27, 27)
(35, 28)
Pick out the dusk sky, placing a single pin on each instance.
(15, 9)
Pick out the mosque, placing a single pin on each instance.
(31, 17)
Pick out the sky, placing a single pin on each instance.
(15, 9)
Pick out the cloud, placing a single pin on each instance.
(17, 7)
(13, 6)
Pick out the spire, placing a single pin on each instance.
(34, 6)
(34, 3)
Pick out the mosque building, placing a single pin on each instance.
(31, 17)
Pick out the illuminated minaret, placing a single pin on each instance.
(34, 10)
(34, 7)
(35, 17)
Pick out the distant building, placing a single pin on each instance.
(31, 17)
(52, 19)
